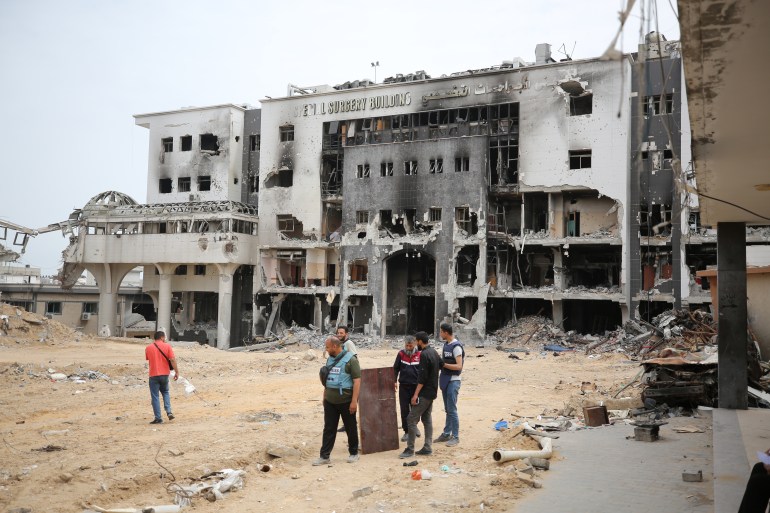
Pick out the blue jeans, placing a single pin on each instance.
(450, 393)
(159, 384)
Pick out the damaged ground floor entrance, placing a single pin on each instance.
(410, 293)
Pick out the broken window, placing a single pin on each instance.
(204, 183)
(200, 270)
(579, 159)
(654, 219)
(359, 270)
(434, 214)
(253, 183)
(658, 104)
(287, 133)
(436, 166)
(362, 216)
(90, 308)
(254, 142)
(410, 167)
(668, 154)
(581, 105)
(363, 171)
(386, 169)
(53, 307)
(410, 214)
(465, 265)
(386, 218)
(168, 144)
(164, 185)
(504, 160)
(186, 142)
(331, 174)
(210, 143)
(466, 220)
(184, 183)
(181, 270)
(289, 226)
(573, 224)
(462, 164)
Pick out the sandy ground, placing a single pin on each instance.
(111, 457)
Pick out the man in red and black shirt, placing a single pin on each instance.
(406, 369)
(162, 360)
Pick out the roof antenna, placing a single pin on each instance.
(563, 50)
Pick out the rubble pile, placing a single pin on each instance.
(16, 324)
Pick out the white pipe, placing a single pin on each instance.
(546, 451)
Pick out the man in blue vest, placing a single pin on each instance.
(452, 356)
(340, 399)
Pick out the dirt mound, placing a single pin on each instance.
(26, 327)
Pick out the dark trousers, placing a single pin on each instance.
(405, 393)
(757, 493)
(332, 414)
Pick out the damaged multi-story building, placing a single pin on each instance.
(551, 188)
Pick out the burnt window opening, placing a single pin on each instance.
(186, 142)
(331, 174)
(168, 144)
(504, 161)
(581, 105)
(410, 216)
(654, 220)
(363, 171)
(645, 155)
(573, 224)
(253, 183)
(184, 184)
(362, 216)
(580, 159)
(593, 266)
(181, 270)
(386, 169)
(462, 164)
(465, 265)
(668, 154)
(359, 270)
(204, 183)
(536, 212)
(466, 220)
(410, 167)
(287, 133)
(254, 142)
(436, 166)
(289, 226)
(210, 143)
(658, 104)
(434, 214)
(164, 185)
(283, 178)
(386, 219)
(200, 270)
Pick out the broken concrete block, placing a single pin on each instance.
(310, 355)
(282, 451)
(692, 477)
(362, 492)
(65, 477)
(540, 463)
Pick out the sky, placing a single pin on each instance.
(75, 72)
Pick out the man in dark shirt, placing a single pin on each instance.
(407, 370)
(424, 395)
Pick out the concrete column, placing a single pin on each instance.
(558, 312)
(108, 278)
(224, 313)
(318, 319)
(731, 287)
(559, 276)
(166, 274)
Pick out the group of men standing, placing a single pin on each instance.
(420, 372)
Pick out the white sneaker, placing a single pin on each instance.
(321, 461)
(353, 458)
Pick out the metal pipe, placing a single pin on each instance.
(546, 451)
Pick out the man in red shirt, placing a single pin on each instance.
(162, 360)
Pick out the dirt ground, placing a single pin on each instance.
(68, 445)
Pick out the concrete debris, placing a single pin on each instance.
(211, 486)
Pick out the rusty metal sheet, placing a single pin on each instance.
(377, 409)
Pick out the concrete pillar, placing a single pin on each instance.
(166, 274)
(318, 319)
(731, 287)
(108, 278)
(559, 275)
(224, 314)
(558, 312)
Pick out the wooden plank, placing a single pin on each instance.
(377, 409)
